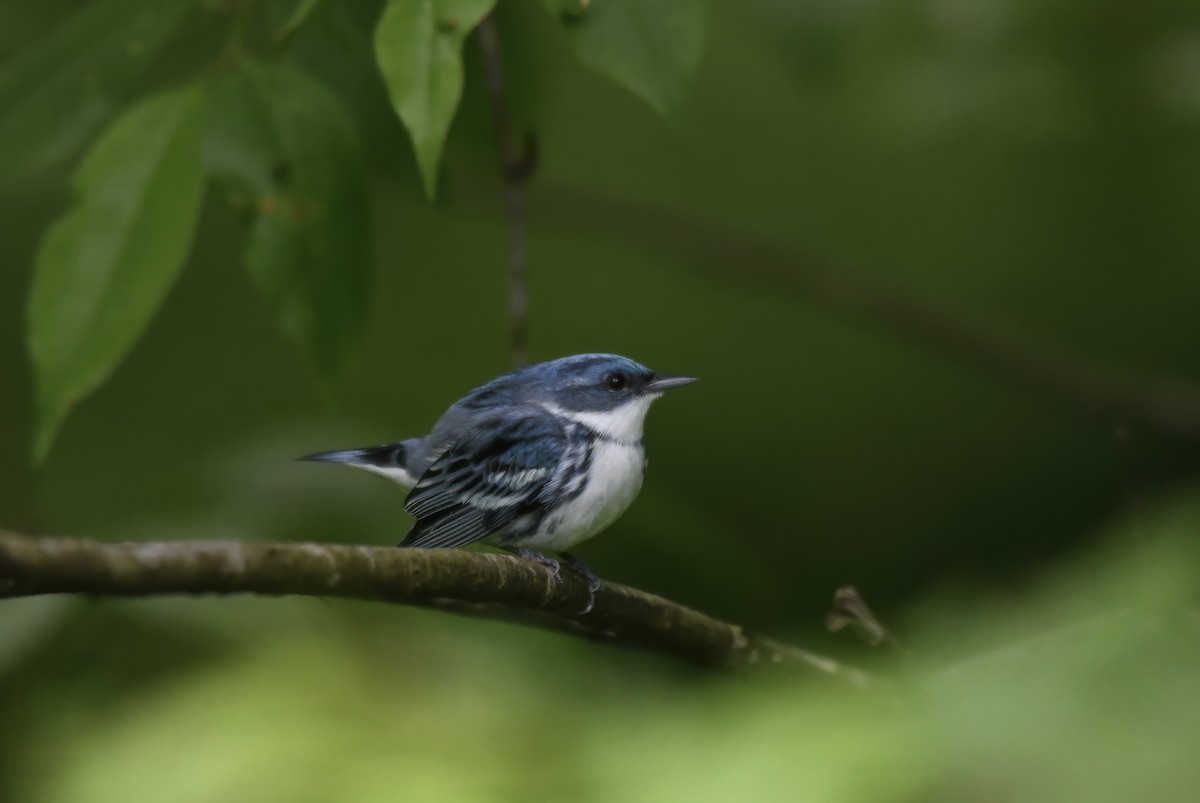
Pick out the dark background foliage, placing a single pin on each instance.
(1031, 166)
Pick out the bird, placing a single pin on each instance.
(536, 460)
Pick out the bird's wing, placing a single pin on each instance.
(493, 471)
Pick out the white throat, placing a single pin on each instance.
(623, 424)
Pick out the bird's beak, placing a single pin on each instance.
(663, 382)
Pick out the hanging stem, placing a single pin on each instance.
(517, 167)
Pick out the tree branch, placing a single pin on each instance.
(474, 583)
(517, 167)
(1167, 405)
(851, 610)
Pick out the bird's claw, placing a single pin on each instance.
(591, 603)
(594, 583)
(537, 557)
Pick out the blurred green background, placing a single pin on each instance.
(1030, 162)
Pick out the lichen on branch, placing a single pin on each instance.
(474, 583)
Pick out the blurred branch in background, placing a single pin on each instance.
(516, 167)
(851, 610)
(494, 586)
(1167, 405)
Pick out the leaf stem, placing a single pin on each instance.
(235, 42)
(517, 166)
(287, 34)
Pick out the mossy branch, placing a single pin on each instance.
(494, 586)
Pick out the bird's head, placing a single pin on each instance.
(608, 392)
(598, 382)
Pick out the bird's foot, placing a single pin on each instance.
(594, 583)
(593, 580)
(538, 557)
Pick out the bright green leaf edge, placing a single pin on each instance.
(418, 47)
(650, 47)
(105, 266)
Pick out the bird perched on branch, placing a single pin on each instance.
(536, 460)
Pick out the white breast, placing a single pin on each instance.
(613, 483)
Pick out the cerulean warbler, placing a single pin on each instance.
(536, 460)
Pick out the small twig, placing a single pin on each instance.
(851, 610)
(1129, 481)
(235, 41)
(517, 167)
(473, 583)
(300, 16)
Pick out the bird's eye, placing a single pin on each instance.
(616, 382)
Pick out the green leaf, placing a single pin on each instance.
(105, 266)
(70, 84)
(418, 44)
(651, 47)
(289, 157)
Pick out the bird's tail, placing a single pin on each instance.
(390, 460)
(393, 455)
